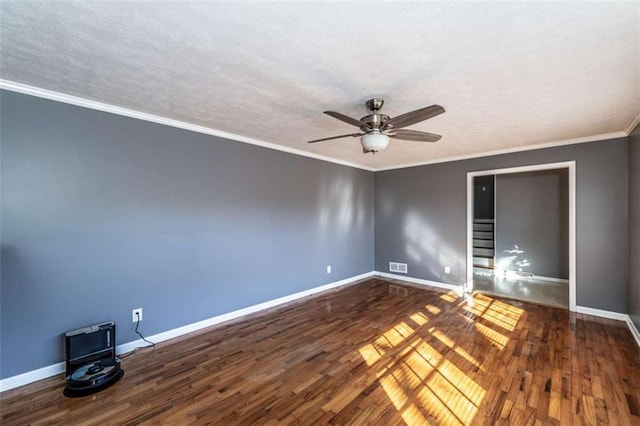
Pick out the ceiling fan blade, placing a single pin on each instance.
(346, 119)
(414, 135)
(336, 137)
(413, 117)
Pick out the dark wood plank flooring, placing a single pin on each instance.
(373, 353)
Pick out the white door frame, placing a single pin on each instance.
(571, 166)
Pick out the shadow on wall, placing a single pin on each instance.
(427, 249)
(340, 203)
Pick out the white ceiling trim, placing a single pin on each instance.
(594, 138)
(633, 125)
(99, 106)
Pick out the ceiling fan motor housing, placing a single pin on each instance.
(374, 121)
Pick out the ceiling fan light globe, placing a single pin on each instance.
(374, 141)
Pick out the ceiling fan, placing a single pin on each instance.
(378, 128)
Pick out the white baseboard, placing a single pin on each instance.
(189, 328)
(601, 313)
(514, 275)
(419, 281)
(31, 376)
(614, 316)
(551, 279)
(52, 370)
(634, 331)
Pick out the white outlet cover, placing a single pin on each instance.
(133, 314)
(447, 269)
(328, 269)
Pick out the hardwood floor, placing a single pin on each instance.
(376, 352)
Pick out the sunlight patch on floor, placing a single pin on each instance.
(413, 416)
(499, 340)
(371, 354)
(433, 309)
(409, 412)
(450, 297)
(496, 312)
(419, 318)
(444, 391)
(423, 384)
(413, 393)
(450, 372)
(420, 381)
(456, 348)
(398, 333)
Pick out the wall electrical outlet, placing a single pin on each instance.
(447, 269)
(136, 315)
(328, 269)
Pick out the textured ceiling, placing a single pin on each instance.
(510, 75)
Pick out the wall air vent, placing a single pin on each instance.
(398, 267)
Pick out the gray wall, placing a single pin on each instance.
(424, 223)
(634, 228)
(532, 212)
(102, 214)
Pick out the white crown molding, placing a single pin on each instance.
(54, 369)
(594, 138)
(633, 125)
(99, 106)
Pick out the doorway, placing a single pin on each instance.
(500, 265)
